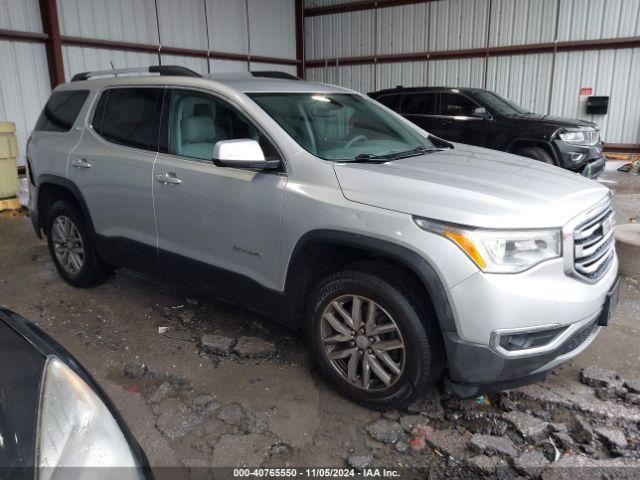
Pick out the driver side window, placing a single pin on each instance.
(454, 105)
(197, 121)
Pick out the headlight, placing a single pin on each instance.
(580, 137)
(500, 251)
(76, 429)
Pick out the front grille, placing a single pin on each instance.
(578, 339)
(592, 137)
(594, 245)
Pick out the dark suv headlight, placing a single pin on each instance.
(580, 137)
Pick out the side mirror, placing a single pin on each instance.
(242, 153)
(481, 112)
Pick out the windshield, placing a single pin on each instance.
(498, 104)
(340, 126)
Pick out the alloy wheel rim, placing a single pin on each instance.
(67, 245)
(362, 342)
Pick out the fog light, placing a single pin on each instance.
(527, 340)
(577, 157)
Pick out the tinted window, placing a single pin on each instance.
(420, 104)
(198, 121)
(61, 111)
(499, 104)
(129, 116)
(456, 105)
(390, 101)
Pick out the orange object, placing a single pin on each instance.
(467, 246)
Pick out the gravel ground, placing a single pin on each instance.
(225, 387)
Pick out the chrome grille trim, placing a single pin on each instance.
(592, 137)
(589, 243)
(590, 248)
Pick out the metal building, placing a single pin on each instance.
(547, 55)
(45, 42)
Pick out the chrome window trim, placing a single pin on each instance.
(88, 122)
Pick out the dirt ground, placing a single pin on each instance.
(225, 387)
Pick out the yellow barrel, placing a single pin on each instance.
(8, 156)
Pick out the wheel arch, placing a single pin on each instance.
(52, 188)
(320, 252)
(518, 143)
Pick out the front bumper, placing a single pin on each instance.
(487, 306)
(585, 159)
(594, 169)
(476, 369)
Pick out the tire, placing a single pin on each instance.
(82, 267)
(537, 153)
(422, 359)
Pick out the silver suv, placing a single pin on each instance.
(400, 255)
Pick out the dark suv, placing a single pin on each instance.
(480, 117)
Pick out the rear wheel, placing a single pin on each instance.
(536, 153)
(71, 247)
(371, 341)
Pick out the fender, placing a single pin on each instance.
(47, 179)
(410, 259)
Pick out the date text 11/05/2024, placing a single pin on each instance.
(315, 473)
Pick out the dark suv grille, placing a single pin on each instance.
(592, 137)
(594, 245)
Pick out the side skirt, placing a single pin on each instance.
(197, 276)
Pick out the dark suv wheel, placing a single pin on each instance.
(71, 247)
(371, 340)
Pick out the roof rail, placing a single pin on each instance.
(274, 74)
(172, 70)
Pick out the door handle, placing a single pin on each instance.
(80, 163)
(169, 179)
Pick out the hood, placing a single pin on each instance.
(551, 121)
(472, 186)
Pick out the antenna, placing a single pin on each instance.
(113, 68)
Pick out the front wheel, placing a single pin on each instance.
(371, 341)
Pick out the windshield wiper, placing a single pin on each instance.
(414, 152)
(381, 158)
(370, 158)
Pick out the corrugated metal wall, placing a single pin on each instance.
(540, 82)
(253, 27)
(250, 27)
(20, 100)
(24, 87)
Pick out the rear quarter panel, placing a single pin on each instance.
(48, 152)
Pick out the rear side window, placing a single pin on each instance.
(61, 111)
(420, 104)
(129, 117)
(389, 101)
